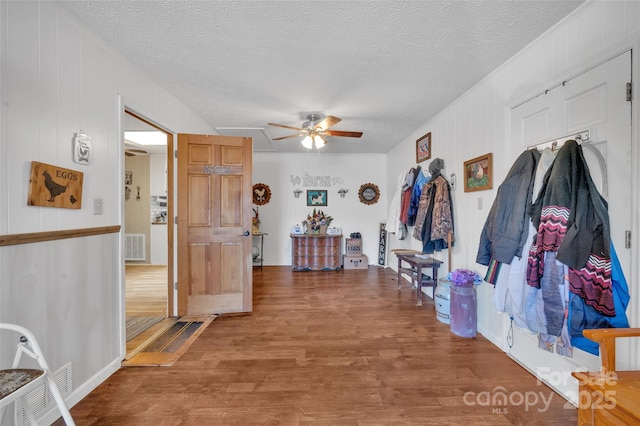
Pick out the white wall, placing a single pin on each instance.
(478, 123)
(56, 79)
(284, 210)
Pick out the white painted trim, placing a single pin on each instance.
(82, 391)
(121, 238)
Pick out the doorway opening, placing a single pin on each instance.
(148, 228)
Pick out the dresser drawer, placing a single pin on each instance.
(316, 252)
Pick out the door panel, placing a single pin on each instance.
(214, 211)
(594, 101)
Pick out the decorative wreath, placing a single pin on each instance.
(369, 193)
(261, 194)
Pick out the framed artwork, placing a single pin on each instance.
(128, 178)
(478, 173)
(261, 194)
(423, 148)
(369, 193)
(316, 197)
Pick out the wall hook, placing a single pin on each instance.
(297, 193)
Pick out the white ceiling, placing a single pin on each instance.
(384, 67)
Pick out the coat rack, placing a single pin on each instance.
(556, 143)
(580, 137)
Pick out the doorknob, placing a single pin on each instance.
(244, 234)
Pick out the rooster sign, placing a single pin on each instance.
(261, 194)
(51, 186)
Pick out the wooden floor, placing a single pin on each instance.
(327, 348)
(146, 290)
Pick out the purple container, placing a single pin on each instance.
(463, 310)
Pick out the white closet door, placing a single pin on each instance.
(594, 101)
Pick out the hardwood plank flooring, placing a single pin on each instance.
(327, 348)
(146, 290)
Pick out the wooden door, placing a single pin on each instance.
(214, 224)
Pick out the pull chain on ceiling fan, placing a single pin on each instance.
(315, 130)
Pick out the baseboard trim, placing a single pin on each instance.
(83, 390)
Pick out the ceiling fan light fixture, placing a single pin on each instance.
(319, 141)
(307, 142)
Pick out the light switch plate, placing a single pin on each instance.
(97, 206)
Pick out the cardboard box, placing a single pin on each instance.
(355, 262)
(354, 246)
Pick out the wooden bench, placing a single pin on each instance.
(609, 396)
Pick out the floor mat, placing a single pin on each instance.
(137, 325)
(166, 348)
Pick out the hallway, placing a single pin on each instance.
(327, 348)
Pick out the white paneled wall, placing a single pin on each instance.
(478, 123)
(57, 79)
(284, 210)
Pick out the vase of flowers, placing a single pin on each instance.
(463, 302)
(318, 221)
(464, 277)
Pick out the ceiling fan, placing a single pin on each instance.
(130, 152)
(315, 130)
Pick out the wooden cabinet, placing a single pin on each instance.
(311, 252)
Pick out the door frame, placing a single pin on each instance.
(124, 108)
(170, 204)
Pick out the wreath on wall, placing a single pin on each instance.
(261, 194)
(369, 193)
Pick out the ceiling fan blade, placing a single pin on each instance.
(284, 126)
(285, 137)
(135, 151)
(342, 133)
(329, 121)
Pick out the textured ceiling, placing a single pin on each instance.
(384, 67)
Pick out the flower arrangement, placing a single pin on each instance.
(464, 277)
(318, 218)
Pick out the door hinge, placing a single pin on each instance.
(175, 285)
(175, 220)
(629, 92)
(627, 239)
(175, 153)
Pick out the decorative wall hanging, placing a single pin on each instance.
(478, 173)
(369, 193)
(343, 192)
(423, 148)
(52, 186)
(128, 178)
(261, 194)
(297, 192)
(82, 149)
(316, 197)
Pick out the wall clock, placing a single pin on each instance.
(369, 193)
(261, 194)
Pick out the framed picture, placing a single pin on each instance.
(423, 148)
(478, 173)
(316, 197)
(128, 178)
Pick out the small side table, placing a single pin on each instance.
(416, 264)
(258, 261)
